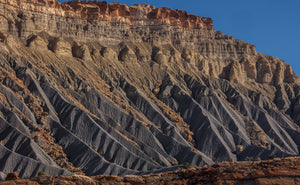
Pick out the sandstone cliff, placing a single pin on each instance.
(98, 88)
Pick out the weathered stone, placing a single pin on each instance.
(61, 47)
(134, 179)
(12, 176)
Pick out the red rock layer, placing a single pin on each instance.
(101, 10)
(177, 17)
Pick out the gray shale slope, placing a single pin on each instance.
(97, 88)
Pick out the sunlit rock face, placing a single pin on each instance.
(98, 88)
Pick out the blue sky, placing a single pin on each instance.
(273, 26)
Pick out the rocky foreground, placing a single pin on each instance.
(278, 171)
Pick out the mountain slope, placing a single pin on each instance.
(97, 88)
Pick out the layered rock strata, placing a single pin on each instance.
(98, 88)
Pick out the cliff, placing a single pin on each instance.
(97, 88)
(84, 19)
(112, 12)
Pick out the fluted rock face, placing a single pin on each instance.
(98, 88)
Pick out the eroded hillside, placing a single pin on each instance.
(98, 88)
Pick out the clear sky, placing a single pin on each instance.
(273, 26)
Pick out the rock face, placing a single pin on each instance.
(98, 88)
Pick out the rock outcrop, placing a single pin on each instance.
(97, 88)
(277, 171)
(12, 176)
